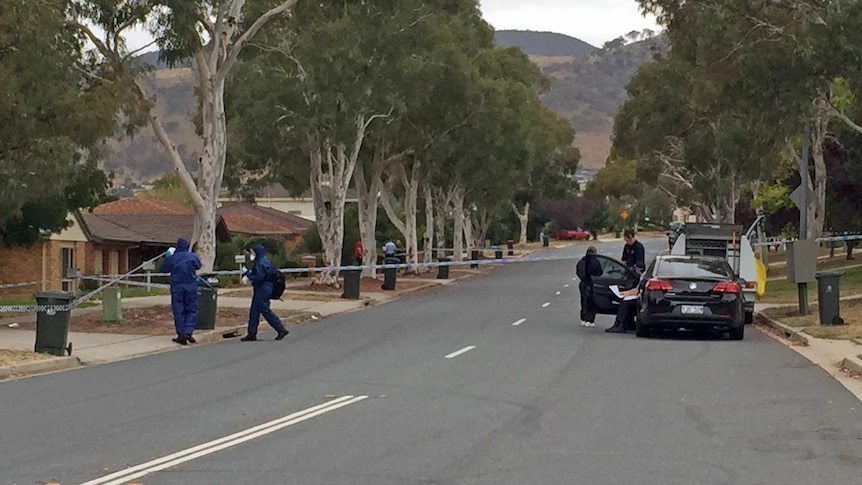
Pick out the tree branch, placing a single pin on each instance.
(244, 39)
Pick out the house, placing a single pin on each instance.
(46, 265)
(125, 233)
(113, 239)
(275, 196)
(251, 220)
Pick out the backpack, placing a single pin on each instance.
(581, 269)
(277, 284)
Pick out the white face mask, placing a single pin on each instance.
(251, 257)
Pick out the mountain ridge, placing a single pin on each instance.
(587, 87)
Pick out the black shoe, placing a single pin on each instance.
(249, 338)
(191, 339)
(180, 340)
(282, 334)
(615, 329)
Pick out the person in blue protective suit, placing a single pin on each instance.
(260, 277)
(183, 265)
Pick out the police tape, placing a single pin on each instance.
(783, 242)
(24, 284)
(332, 269)
(124, 279)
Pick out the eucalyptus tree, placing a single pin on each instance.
(209, 33)
(54, 118)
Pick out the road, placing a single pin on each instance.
(487, 382)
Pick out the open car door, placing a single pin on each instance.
(613, 273)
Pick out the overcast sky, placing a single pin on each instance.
(593, 21)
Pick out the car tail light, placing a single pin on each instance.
(655, 284)
(727, 287)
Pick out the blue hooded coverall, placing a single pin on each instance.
(183, 266)
(260, 276)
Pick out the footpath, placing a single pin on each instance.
(837, 349)
(147, 328)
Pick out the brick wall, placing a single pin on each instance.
(18, 265)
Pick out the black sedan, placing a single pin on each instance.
(690, 292)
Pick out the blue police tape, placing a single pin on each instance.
(20, 285)
(124, 279)
(435, 264)
(822, 239)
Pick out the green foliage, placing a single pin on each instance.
(773, 197)
(53, 120)
(598, 220)
(170, 188)
(275, 251)
(618, 178)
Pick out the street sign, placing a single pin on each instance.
(796, 196)
(624, 214)
(239, 258)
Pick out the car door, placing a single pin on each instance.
(613, 273)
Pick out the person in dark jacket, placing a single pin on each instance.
(634, 255)
(586, 269)
(183, 265)
(260, 277)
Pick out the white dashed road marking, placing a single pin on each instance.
(519, 322)
(546, 304)
(464, 350)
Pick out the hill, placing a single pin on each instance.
(588, 90)
(548, 44)
(588, 85)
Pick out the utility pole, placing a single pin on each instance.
(803, 213)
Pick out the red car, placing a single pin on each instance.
(576, 234)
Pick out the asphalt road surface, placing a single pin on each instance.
(491, 381)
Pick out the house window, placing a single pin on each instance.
(67, 262)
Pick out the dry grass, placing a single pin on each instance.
(851, 312)
(595, 147)
(12, 357)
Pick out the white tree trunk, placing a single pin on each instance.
(429, 224)
(367, 191)
(817, 207)
(329, 199)
(457, 198)
(332, 166)
(214, 62)
(524, 219)
(406, 227)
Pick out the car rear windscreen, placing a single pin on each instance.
(692, 268)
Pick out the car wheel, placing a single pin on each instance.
(737, 333)
(749, 317)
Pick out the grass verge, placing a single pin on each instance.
(783, 291)
(851, 312)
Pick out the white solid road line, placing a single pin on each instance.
(464, 350)
(546, 304)
(122, 477)
(519, 322)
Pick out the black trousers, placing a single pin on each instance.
(588, 308)
(626, 314)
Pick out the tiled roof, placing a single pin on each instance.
(143, 220)
(277, 191)
(252, 219)
(143, 205)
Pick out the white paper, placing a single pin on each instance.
(616, 290)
